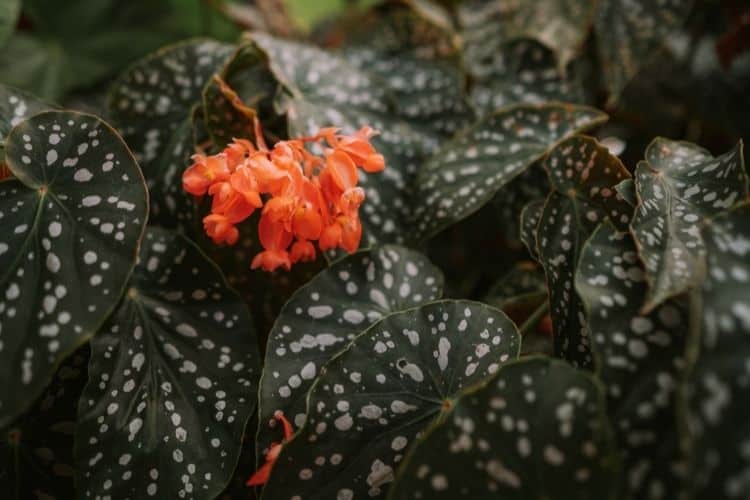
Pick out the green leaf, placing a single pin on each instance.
(537, 429)
(626, 189)
(322, 317)
(36, 451)
(524, 282)
(324, 89)
(508, 71)
(509, 202)
(530, 217)
(152, 104)
(583, 175)
(9, 11)
(717, 391)
(15, 106)
(468, 171)
(630, 31)
(639, 360)
(171, 382)
(561, 25)
(373, 399)
(75, 214)
(680, 185)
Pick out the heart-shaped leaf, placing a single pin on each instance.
(324, 89)
(372, 400)
(537, 429)
(171, 381)
(639, 360)
(508, 71)
(530, 217)
(468, 171)
(717, 390)
(152, 103)
(583, 175)
(75, 214)
(679, 186)
(322, 317)
(629, 31)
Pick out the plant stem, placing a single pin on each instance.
(533, 320)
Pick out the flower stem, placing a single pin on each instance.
(533, 320)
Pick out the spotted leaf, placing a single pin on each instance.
(374, 398)
(74, 214)
(680, 186)
(583, 175)
(717, 389)
(324, 315)
(537, 429)
(15, 106)
(639, 360)
(468, 171)
(509, 71)
(627, 190)
(561, 25)
(171, 381)
(530, 217)
(630, 31)
(151, 103)
(324, 89)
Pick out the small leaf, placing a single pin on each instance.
(717, 391)
(468, 171)
(171, 381)
(373, 399)
(75, 215)
(639, 360)
(629, 31)
(583, 175)
(537, 429)
(680, 185)
(152, 101)
(530, 217)
(322, 317)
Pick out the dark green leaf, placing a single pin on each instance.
(75, 214)
(639, 360)
(372, 400)
(583, 175)
(537, 429)
(626, 189)
(468, 171)
(717, 388)
(509, 202)
(530, 217)
(680, 185)
(324, 315)
(630, 31)
(15, 106)
(172, 381)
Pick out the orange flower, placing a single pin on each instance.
(304, 197)
(261, 475)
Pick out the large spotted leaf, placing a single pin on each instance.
(373, 399)
(583, 175)
(468, 171)
(509, 71)
(15, 106)
(679, 186)
(324, 315)
(323, 89)
(639, 360)
(152, 102)
(72, 221)
(537, 429)
(629, 31)
(171, 383)
(717, 388)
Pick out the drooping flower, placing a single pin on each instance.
(261, 475)
(303, 197)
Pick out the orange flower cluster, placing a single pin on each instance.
(304, 197)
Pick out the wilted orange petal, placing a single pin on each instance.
(270, 260)
(302, 251)
(220, 230)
